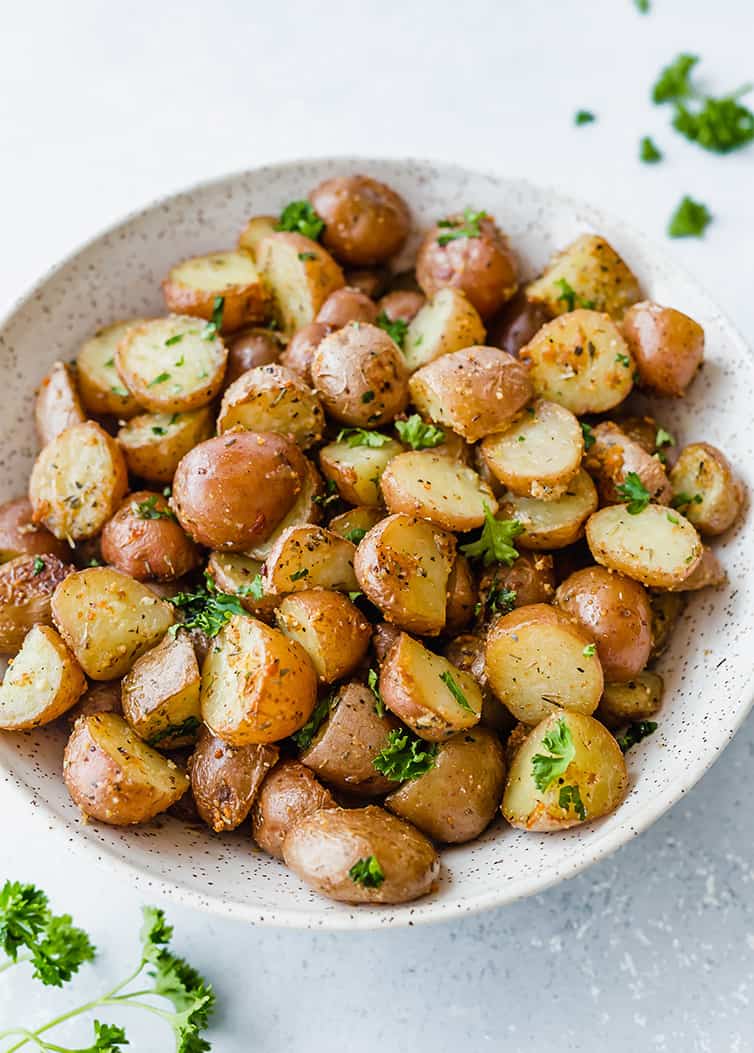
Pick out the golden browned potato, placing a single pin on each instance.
(638, 699)
(459, 796)
(708, 573)
(667, 608)
(538, 661)
(41, 683)
(144, 540)
(301, 347)
(172, 365)
(308, 557)
(539, 454)
(552, 524)
(347, 305)
(366, 222)
(462, 597)
(217, 494)
(108, 620)
(657, 546)
(589, 273)
(116, 778)
(615, 613)
(154, 443)
(360, 375)
(667, 345)
(361, 855)
(289, 793)
(581, 361)
(226, 779)
(194, 287)
(516, 323)
(355, 523)
(307, 508)
(470, 253)
(403, 565)
(332, 631)
(613, 456)
(160, 694)
(427, 692)
(250, 348)
(529, 579)
(101, 389)
(21, 536)
(402, 305)
(448, 322)
(705, 488)
(241, 576)
(77, 482)
(256, 230)
(569, 770)
(427, 484)
(57, 404)
(344, 748)
(26, 587)
(300, 275)
(245, 697)
(275, 399)
(356, 468)
(475, 392)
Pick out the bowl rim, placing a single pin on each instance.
(424, 911)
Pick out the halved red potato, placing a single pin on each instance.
(273, 398)
(657, 546)
(552, 524)
(194, 286)
(613, 456)
(332, 631)
(41, 682)
(154, 443)
(57, 405)
(705, 488)
(26, 587)
(446, 323)
(307, 557)
(432, 486)
(539, 454)
(357, 470)
(101, 389)
(256, 230)
(589, 272)
(300, 274)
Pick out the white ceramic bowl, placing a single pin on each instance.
(709, 669)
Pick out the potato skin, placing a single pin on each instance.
(346, 305)
(482, 267)
(401, 305)
(613, 455)
(457, 798)
(250, 348)
(301, 347)
(225, 779)
(57, 404)
(372, 281)
(531, 577)
(667, 345)
(614, 611)
(332, 631)
(516, 323)
(245, 299)
(289, 793)
(145, 547)
(461, 596)
(322, 847)
(360, 376)
(25, 596)
(638, 699)
(217, 494)
(703, 471)
(20, 536)
(160, 694)
(42, 682)
(366, 222)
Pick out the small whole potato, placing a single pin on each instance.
(529, 579)
(360, 376)
(470, 254)
(290, 792)
(20, 536)
(667, 345)
(366, 222)
(516, 323)
(225, 779)
(346, 305)
(26, 587)
(301, 347)
(615, 612)
(250, 348)
(362, 855)
(144, 540)
(401, 305)
(230, 492)
(705, 488)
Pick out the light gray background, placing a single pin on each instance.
(104, 106)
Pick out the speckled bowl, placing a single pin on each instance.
(709, 669)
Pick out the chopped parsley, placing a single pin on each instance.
(367, 872)
(584, 117)
(571, 298)
(590, 650)
(663, 438)
(418, 435)
(157, 429)
(159, 379)
(373, 681)
(255, 588)
(186, 727)
(674, 83)
(456, 228)
(148, 509)
(717, 124)
(118, 389)
(570, 796)
(303, 737)
(455, 690)
(633, 491)
(206, 609)
(634, 733)
(299, 217)
(368, 396)
(355, 535)
(174, 339)
(39, 565)
(642, 6)
(499, 600)
(362, 437)
(623, 360)
(680, 499)
(494, 543)
(212, 328)
(648, 152)
(547, 767)
(588, 433)
(331, 494)
(299, 574)
(404, 756)
(673, 519)
(690, 219)
(353, 596)
(396, 330)
(304, 256)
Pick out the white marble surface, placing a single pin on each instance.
(103, 107)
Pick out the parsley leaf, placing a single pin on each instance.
(663, 438)
(719, 125)
(303, 737)
(634, 493)
(588, 433)
(213, 327)
(499, 600)
(331, 494)
(159, 379)
(55, 947)
(39, 565)
(690, 219)
(147, 509)
(455, 690)
(304, 256)
(642, 6)
(396, 330)
(368, 396)
(547, 767)
(355, 535)
(186, 727)
(674, 84)
(648, 152)
(680, 499)
(590, 650)
(174, 339)
(367, 872)
(362, 437)
(456, 228)
(299, 574)
(404, 756)
(373, 681)
(494, 544)
(584, 117)
(255, 588)
(206, 609)
(635, 733)
(570, 795)
(300, 218)
(418, 435)
(570, 297)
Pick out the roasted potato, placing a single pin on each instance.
(705, 489)
(641, 430)
(475, 392)
(360, 376)
(226, 779)
(172, 365)
(57, 406)
(403, 565)
(552, 524)
(615, 613)
(101, 697)
(77, 482)
(516, 323)
(154, 443)
(637, 699)
(587, 273)
(217, 494)
(461, 599)
(41, 683)
(372, 281)
(361, 855)
(427, 692)
(194, 287)
(300, 274)
(289, 793)
(429, 485)
(581, 361)
(466, 652)
(301, 347)
(332, 631)
(403, 305)
(470, 253)
(246, 696)
(529, 579)
(357, 470)
(384, 636)
(26, 587)
(256, 230)
(613, 456)
(160, 694)
(366, 222)
(250, 348)
(459, 796)
(307, 508)
(657, 547)
(108, 620)
(539, 661)
(308, 557)
(274, 399)
(101, 389)
(448, 322)
(592, 779)
(21, 536)
(539, 454)
(241, 576)
(144, 540)
(708, 573)
(666, 610)
(343, 750)
(116, 778)
(667, 345)
(347, 305)
(355, 523)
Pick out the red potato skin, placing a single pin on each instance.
(344, 306)
(225, 779)
(516, 323)
(20, 536)
(289, 793)
(248, 349)
(57, 405)
(147, 548)
(301, 347)
(614, 455)
(401, 305)
(372, 281)
(366, 222)
(667, 345)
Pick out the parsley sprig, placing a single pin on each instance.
(633, 491)
(299, 217)
(206, 609)
(418, 435)
(456, 228)
(547, 767)
(634, 733)
(29, 931)
(395, 329)
(147, 509)
(494, 544)
(367, 872)
(363, 437)
(404, 756)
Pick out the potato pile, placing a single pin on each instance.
(357, 556)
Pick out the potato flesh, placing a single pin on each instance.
(273, 398)
(657, 547)
(154, 443)
(217, 273)
(357, 470)
(556, 523)
(702, 472)
(306, 557)
(595, 272)
(639, 699)
(100, 387)
(256, 230)
(539, 454)
(57, 405)
(41, 683)
(433, 487)
(356, 522)
(235, 573)
(300, 274)
(447, 323)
